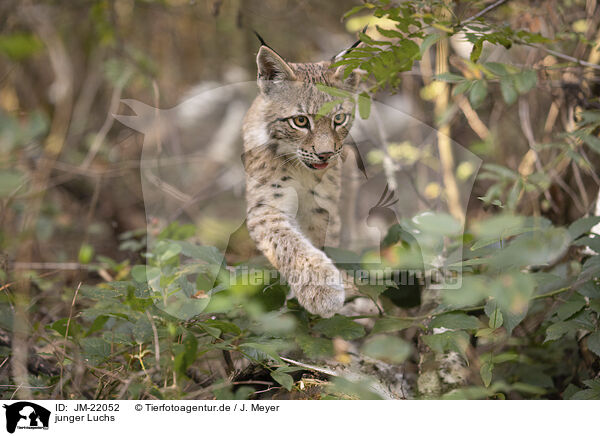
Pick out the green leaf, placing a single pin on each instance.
(486, 373)
(582, 225)
(389, 33)
(501, 171)
(570, 307)
(593, 343)
(525, 80)
(19, 46)
(473, 290)
(272, 297)
(509, 93)
(455, 320)
(590, 289)
(171, 250)
(494, 314)
(592, 242)
(223, 326)
(478, 92)
(484, 243)
(559, 329)
(509, 356)
(476, 51)
(340, 326)
(211, 330)
(60, 326)
(355, 389)
(372, 291)
(327, 107)
(496, 68)
(264, 350)
(364, 105)
(468, 393)
(187, 356)
(353, 11)
(143, 273)
(208, 254)
(387, 348)
(283, 379)
(591, 140)
(95, 350)
(117, 338)
(429, 40)
(512, 293)
(462, 87)
(593, 393)
(441, 224)
(335, 92)
(592, 384)
(449, 77)
(315, 347)
(448, 341)
(539, 247)
(180, 305)
(442, 27)
(86, 253)
(142, 330)
(586, 394)
(386, 325)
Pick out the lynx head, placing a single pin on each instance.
(298, 113)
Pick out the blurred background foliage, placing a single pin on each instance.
(516, 82)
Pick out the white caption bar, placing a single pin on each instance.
(298, 417)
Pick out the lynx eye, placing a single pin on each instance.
(339, 119)
(300, 121)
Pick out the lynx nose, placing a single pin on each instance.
(325, 155)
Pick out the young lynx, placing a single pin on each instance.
(293, 183)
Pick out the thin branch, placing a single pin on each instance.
(444, 144)
(62, 364)
(564, 56)
(472, 118)
(156, 343)
(484, 11)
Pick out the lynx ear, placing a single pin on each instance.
(272, 67)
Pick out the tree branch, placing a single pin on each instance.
(484, 11)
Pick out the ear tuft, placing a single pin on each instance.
(272, 67)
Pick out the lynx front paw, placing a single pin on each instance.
(322, 300)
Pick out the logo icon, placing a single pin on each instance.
(26, 415)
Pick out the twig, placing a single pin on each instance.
(580, 186)
(253, 382)
(230, 368)
(156, 343)
(472, 118)
(526, 128)
(563, 56)
(592, 172)
(61, 266)
(443, 136)
(62, 365)
(484, 11)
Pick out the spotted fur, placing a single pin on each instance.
(292, 160)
